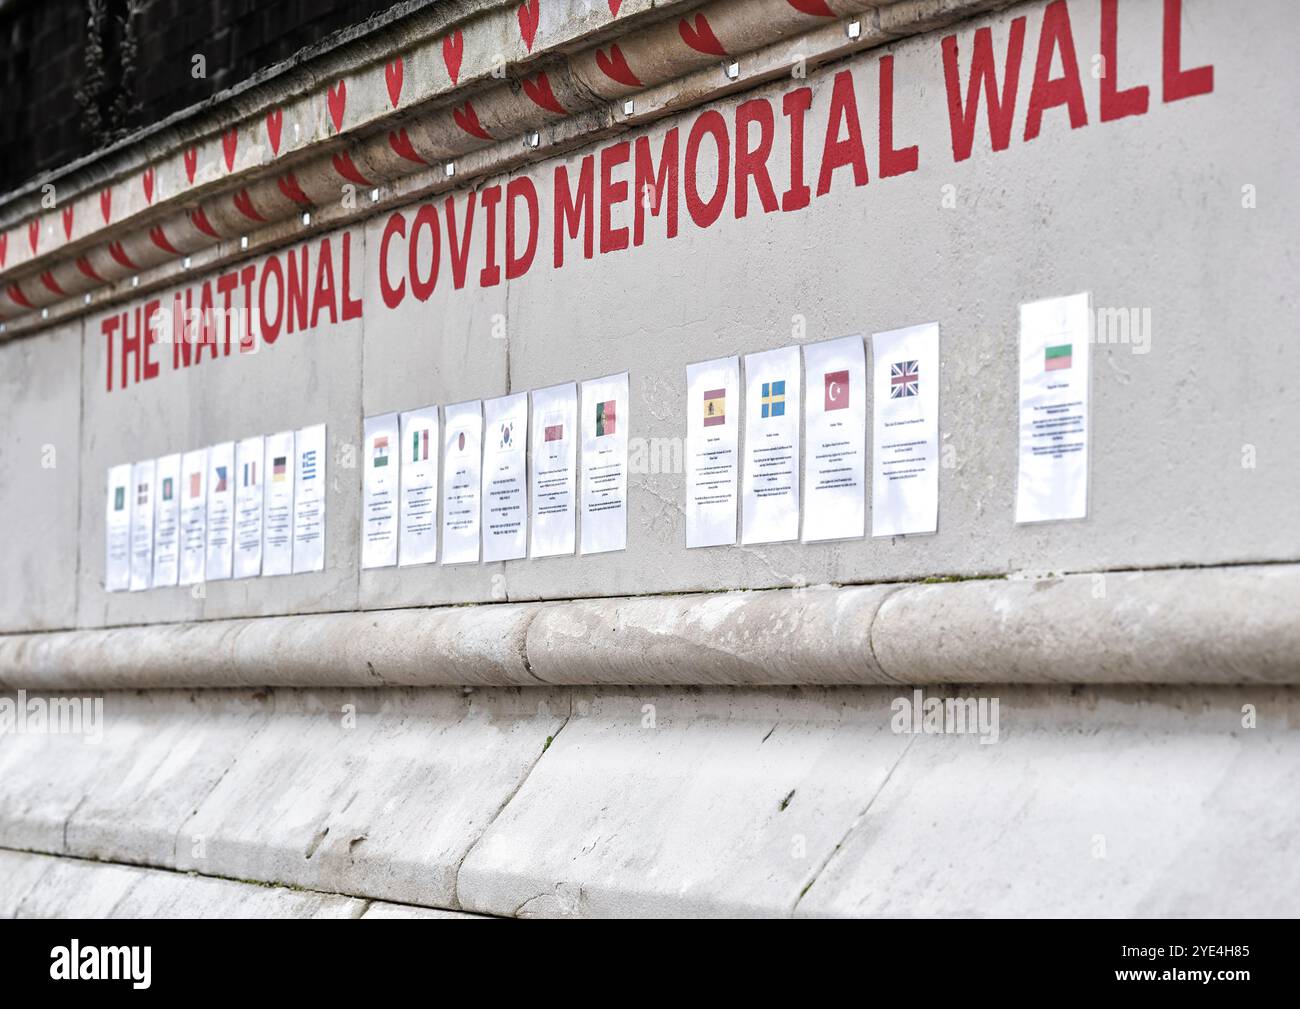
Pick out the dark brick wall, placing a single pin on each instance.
(43, 62)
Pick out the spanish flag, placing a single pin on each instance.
(715, 407)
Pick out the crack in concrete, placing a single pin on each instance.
(365, 903)
(198, 805)
(523, 779)
(852, 826)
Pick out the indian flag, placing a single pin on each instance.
(1058, 358)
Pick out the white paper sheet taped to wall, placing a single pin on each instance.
(712, 451)
(1054, 424)
(309, 497)
(604, 464)
(277, 520)
(221, 511)
(770, 505)
(905, 431)
(835, 498)
(505, 478)
(142, 516)
(249, 455)
(418, 536)
(554, 470)
(117, 529)
(194, 516)
(381, 485)
(462, 460)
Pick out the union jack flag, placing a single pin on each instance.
(904, 379)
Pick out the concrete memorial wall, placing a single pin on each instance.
(664, 729)
(867, 197)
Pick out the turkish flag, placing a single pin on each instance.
(837, 390)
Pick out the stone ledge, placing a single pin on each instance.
(1206, 625)
(653, 802)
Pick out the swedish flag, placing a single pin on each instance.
(773, 399)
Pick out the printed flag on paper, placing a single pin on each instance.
(715, 407)
(904, 379)
(553, 432)
(142, 494)
(250, 474)
(278, 469)
(420, 445)
(221, 480)
(837, 390)
(1058, 358)
(309, 465)
(460, 442)
(773, 399)
(119, 498)
(605, 418)
(196, 484)
(167, 488)
(381, 451)
(507, 434)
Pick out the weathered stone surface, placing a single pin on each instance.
(1226, 625)
(375, 793)
(451, 646)
(1216, 625)
(41, 886)
(819, 635)
(40, 417)
(163, 753)
(1110, 803)
(1105, 800)
(708, 803)
(20, 871)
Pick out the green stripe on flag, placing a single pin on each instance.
(1063, 350)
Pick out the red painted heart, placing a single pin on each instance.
(19, 298)
(33, 233)
(147, 179)
(229, 144)
(191, 165)
(529, 13)
(402, 147)
(288, 184)
(338, 100)
(67, 222)
(159, 239)
(244, 204)
(106, 203)
(83, 264)
(614, 66)
(274, 124)
(393, 78)
(344, 166)
(118, 253)
(614, 5)
(51, 285)
(817, 8)
(700, 36)
(539, 90)
(200, 221)
(453, 50)
(467, 119)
